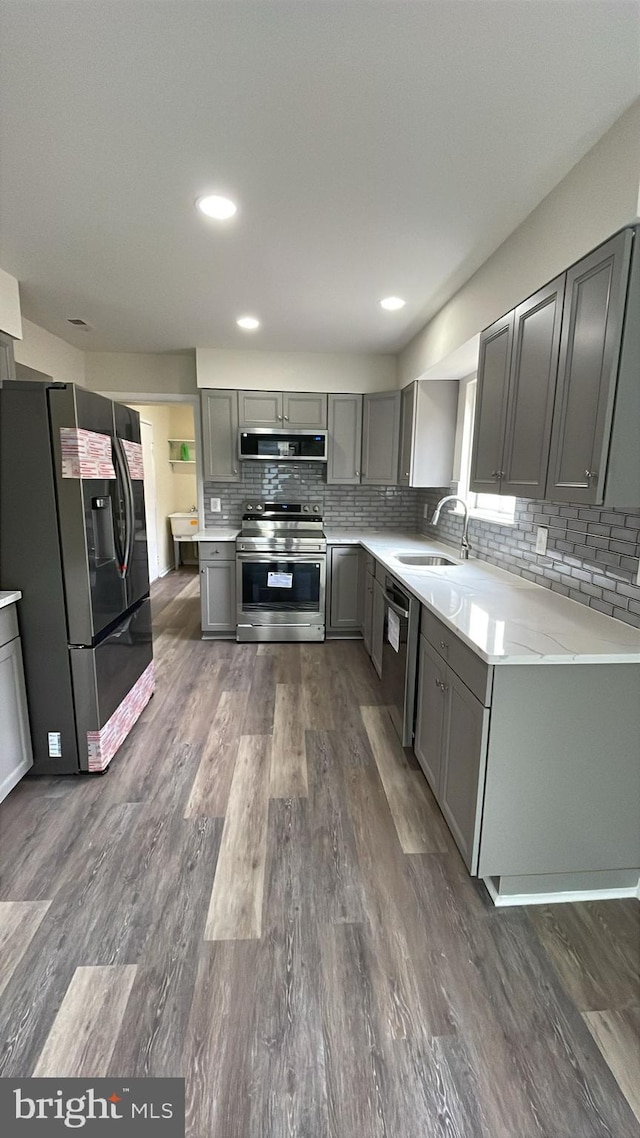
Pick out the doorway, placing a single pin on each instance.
(150, 498)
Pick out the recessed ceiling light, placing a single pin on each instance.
(249, 323)
(215, 206)
(392, 303)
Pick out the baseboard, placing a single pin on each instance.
(163, 572)
(503, 900)
(13, 778)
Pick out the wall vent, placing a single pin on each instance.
(77, 322)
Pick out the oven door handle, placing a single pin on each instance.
(404, 613)
(266, 556)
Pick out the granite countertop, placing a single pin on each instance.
(503, 618)
(9, 597)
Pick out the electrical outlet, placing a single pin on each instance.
(215, 505)
(425, 510)
(542, 536)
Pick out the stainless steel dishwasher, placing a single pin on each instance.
(399, 656)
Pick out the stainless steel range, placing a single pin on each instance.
(281, 566)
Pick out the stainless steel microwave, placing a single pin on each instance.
(272, 444)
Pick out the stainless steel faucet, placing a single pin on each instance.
(464, 544)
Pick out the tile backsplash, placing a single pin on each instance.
(383, 507)
(592, 554)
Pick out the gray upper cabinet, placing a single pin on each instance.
(345, 439)
(301, 409)
(532, 386)
(220, 436)
(407, 416)
(7, 361)
(589, 357)
(427, 433)
(305, 409)
(260, 408)
(494, 362)
(381, 438)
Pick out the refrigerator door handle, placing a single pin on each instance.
(130, 512)
(124, 548)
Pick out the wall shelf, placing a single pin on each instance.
(175, 452)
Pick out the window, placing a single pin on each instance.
(491, 507)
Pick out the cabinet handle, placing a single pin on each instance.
(495, 473)
(286, 418)
(441, 685)
(443, 644)
(589, 474)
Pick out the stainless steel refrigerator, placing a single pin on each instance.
(73, 540)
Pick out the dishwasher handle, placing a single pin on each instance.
(404, 613)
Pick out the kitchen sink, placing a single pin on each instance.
(423, 559)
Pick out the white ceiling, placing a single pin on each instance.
(373, 148)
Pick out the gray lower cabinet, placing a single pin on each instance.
(368, 577)
(381, 438)
(450, 741)
(377, 626)
(220, 436)
(218, 590)
(430, 713)
(532, 783)
(15, 738)
(345, 439)
(463, 762)
(344, 592)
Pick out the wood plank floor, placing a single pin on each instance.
(261, 896)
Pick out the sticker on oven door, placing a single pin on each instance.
(280, 580)
(393, 630)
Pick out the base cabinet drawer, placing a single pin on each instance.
(217, 551)
(474, 672)
(218, 596)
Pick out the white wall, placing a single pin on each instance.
(10, 320)
(598, 196)
(45, 352)
(171, 373)
(295, 371)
